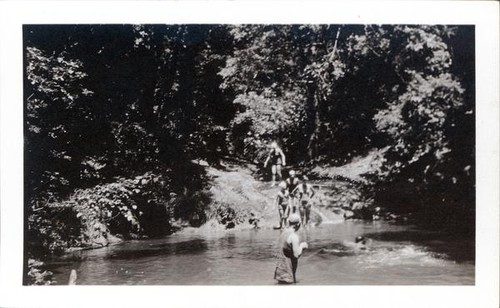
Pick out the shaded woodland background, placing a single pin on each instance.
(116, 117)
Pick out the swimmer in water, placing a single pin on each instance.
(360, 243)
(347, 247)
(360, 240)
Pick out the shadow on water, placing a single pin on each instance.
(226, 247)
(197, 246)
(451, 246)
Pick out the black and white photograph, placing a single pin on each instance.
(277, 154)
(190, 154)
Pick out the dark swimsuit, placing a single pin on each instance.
(292, 185)
(275, 157)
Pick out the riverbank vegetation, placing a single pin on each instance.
(120, 119)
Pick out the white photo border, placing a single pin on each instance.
(482, 14)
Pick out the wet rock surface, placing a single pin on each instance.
(239, 200)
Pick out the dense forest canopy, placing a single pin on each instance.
(115, 115)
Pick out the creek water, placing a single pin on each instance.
(394, 255)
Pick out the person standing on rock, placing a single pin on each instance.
(291, 183)
(304, 193)
(289, 251)
(277, 159)
(281, 202)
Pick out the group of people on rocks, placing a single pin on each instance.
(294, 195)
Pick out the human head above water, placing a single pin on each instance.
(292, 173)
(360, 239)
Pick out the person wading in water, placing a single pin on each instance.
(290, 250)
(304, 193)
(277, 159)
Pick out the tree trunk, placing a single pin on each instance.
(312, 145)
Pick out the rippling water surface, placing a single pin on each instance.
(395, 255)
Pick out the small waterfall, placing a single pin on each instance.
(334, 218)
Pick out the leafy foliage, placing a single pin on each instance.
(36, 275)
(56, 112)
(281, 78)
(331, 93)
(424, 108)
(144, 205)
(263, 74)
(415, 121)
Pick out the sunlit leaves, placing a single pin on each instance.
(421, 108)
(36, 275)
(272, 74)
(53, 79)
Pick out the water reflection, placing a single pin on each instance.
(196, 246)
